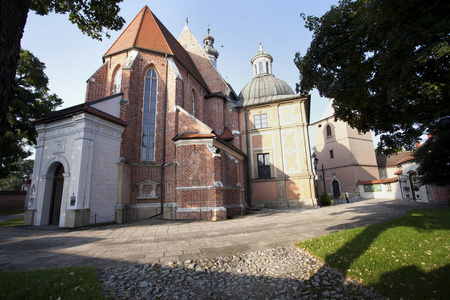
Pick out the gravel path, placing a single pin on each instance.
(280, 273)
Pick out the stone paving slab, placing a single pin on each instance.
(159, 241)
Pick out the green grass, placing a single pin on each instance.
(67, 283)
(408, 257)
(11, 212)
(12, 222)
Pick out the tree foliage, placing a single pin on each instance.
(93, 17)
(15, 179)
(30, 100)
(433, 156)
(385, 64)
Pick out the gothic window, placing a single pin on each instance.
(261, 121)
(329, 131)
(263, 165)
(117, 81)
(149, 116)
(193, 103)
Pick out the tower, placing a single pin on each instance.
(345, 155)
(275, 124)
(209, 49)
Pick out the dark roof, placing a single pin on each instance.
(391, 160)
(212, 135)
(190, 135)
(146, 32)
(406, 159)
(227, 135)
(78, 109)
(377, 181)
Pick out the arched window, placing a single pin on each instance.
(149, 116)
(193, 103)
(329, 131)
(267, 67)
(117, 81)
(260, 68)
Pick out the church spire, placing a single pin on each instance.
(209, 49)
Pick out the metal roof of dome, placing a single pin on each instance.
(261, 52)
(264, 89)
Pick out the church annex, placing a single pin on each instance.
(162, 133)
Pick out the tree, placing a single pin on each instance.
(385, 64)
(15, 179)
(91, 17)
(433, 156)
(30, 101)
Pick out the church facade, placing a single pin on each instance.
(161, 133)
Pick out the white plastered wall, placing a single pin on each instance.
(88, 147)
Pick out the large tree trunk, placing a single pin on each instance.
(13, 16)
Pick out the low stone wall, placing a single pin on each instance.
(12, 200)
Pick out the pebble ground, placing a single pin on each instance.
(280, 273)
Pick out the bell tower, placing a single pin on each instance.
(209, 49)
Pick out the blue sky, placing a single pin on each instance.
(237, 26)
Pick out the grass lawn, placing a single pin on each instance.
(12, 222)
(11, 212)
(408, 257)
(67, 283)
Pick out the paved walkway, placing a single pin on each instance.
(159, 241)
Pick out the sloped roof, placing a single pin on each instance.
(405, 159)
(392, 160)
(399, 172)
(146, 32)
(78, 109)
(377, 181)
(227, 135)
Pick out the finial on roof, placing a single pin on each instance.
(208, 29)
(187, 21)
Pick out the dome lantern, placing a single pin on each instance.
(262, 62)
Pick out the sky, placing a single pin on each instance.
(237, 27)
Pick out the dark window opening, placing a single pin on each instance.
(263, 165)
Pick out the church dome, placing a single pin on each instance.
(265, 88)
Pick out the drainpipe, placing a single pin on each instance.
(164, 143)
(247, 140)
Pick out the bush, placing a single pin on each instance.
(325, 200)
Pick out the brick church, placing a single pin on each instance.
(161, 133)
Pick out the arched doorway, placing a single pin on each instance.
(336, 188)
(57, 190)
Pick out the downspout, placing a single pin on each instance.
(247, 141)
(164, 142)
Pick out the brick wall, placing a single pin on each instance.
(441, 194)
(214, 111)
(12, 200)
